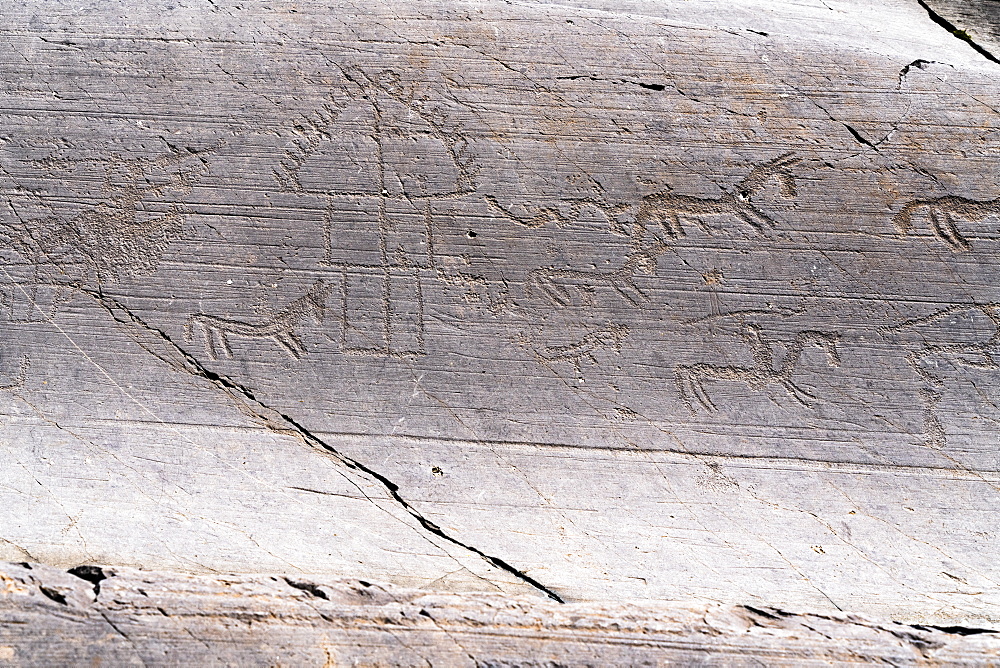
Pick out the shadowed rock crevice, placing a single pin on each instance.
(957, 32)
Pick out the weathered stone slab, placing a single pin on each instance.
(598, 301)
(131, 617)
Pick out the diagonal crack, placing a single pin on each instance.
(179, 359)
(957, 32)
(857, 135)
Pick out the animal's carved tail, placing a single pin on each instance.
(941, 220)
(903, 220)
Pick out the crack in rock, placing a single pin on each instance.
(92, 574)
(957, 32)
(180, 360)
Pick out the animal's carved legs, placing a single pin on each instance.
(558, 295)
(630, 292)
(671, 224)
(947, 231)
(700, 393)
(291, 343)
(209, 341)
(227, 350)
(690, 384)
(753, 217)
(213, 334)
(797, 393)
(682, 380)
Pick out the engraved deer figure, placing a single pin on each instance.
(691, 378)
(942, 212)
(555, 284)
(667, 208)
(280, 328)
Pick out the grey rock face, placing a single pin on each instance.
(131, 617)
(590, 300)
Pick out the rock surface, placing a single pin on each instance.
(589, 300)
(128, 617)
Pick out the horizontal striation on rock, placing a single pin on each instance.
(655, 301)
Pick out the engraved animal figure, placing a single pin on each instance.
(974, 355)
(608, 338)
(116, 238)
(667, 208)
(941, 212)
(557, 284)
(281, 328)
(691, 378)
(544, 214)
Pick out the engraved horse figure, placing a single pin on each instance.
(691, 378)
(280, 328)
(667, 208)
(942, 212)
(555, 283)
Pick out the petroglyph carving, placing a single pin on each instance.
(763, 373)
(941, 213)
(382, 309)
(974, 355)
(615, 214)
(579, 352)
(116, 238)
(281, 328)
(667, 209)
(21, 375)
(310, 130)
(553, 214)
(558, 285)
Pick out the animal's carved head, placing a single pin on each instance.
(315, 301)
(778, 169)
(645, 264)
(828, 342)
